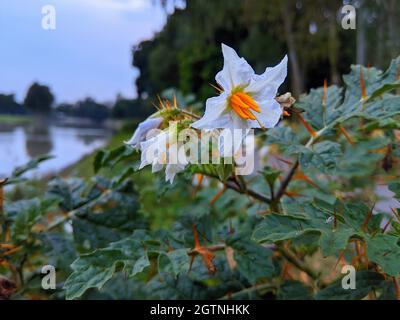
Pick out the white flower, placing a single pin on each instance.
(143, 131)
(164, 150)
(247, 99)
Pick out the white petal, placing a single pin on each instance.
(215, 108)
(156, 167)
(269, 116)
(236, 70)
(141, 133)
(240, 123)
(237, 136)
(171, 170)
(266, 85)
(150, 150)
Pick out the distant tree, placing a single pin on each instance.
(66, 109)
(89, 108)
(8, 105)
(131, 108)
(39, 98)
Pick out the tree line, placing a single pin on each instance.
(185, 54)
(40, 100)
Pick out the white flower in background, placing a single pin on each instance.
(247, 100)
(144, 132)
(164, 150)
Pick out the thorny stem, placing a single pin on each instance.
(71, 214)
(291, 257)
(217, 247)
(234, 186)
(286, 181)
(288, 178)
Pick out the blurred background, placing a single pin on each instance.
(86, 84)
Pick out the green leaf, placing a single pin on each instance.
(270, 174)
(358, 159)
(318, 115)
(253, 260)
(288, 140)
(33, 164)
(69, 192)
(387, 87)
(98, 160)
(174, 262)
(332, 242)
(96, 229)
(384, 250)
(25, 214)
(294, 290)
(59, 248)
(338, 109)
(366, 281)
(394, 186)
(95, 269)
(323, 156)
(385, 123)
(109, 159)
(276, 227)
(219, 171)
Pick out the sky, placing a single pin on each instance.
(88, 54)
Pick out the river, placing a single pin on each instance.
(68, 141)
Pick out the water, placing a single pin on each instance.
(67, 142)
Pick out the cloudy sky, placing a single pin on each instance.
(89, 53)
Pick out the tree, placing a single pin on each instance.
(8, 105)
(39, 98)
(89, 108)
(131, 108)
(263, 31)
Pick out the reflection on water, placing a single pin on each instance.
(19, 144)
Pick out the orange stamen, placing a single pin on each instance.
(249, 101)
(241, 103)
(239, 111)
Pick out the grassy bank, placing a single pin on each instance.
(14, 119)
(84, 167)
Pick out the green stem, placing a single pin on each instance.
(292, 258)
